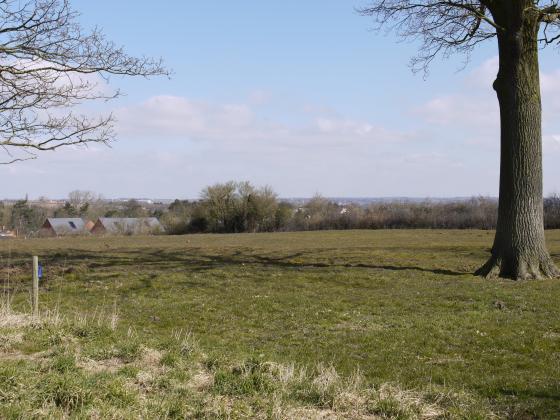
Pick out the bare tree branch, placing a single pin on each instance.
(442, 26)
(445, 27)
(49, 65)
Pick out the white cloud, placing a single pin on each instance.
(474, 108)
(470, 120)
(172, 146)
(550, 82)
(551, 142)
(176, 117)
(483, 76)
(463, 110)
(259, 97)
(171, 117)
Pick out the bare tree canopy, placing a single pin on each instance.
(457, 26)
(520, 27)
(48, 66)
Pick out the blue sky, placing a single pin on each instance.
(302, 96)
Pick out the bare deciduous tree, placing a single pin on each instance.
(239, 207)
(48, 66)
(79, 198)
(450, 26)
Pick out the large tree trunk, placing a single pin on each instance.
(519, 249)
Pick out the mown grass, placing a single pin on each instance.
(400, 307)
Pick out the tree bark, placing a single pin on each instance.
(519, 250)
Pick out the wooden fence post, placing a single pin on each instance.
(35, 286)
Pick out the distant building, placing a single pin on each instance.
(7, 234)
(63, 227)
(127, 226)
(48, 204)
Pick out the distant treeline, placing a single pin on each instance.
(236, 207)
(240, 207)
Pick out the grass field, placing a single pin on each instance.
(352, 324)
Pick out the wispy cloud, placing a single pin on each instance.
(178, 118)
(474, 108)
(172, 146)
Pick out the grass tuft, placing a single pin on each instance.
(139, 381)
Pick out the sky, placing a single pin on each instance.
(302, 96)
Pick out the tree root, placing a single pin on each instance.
(519, 268)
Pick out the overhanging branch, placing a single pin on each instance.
(49, 66)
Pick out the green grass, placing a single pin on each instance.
(399, 306)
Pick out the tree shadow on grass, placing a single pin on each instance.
(547, 394)
(283, 262)
(193, 260)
